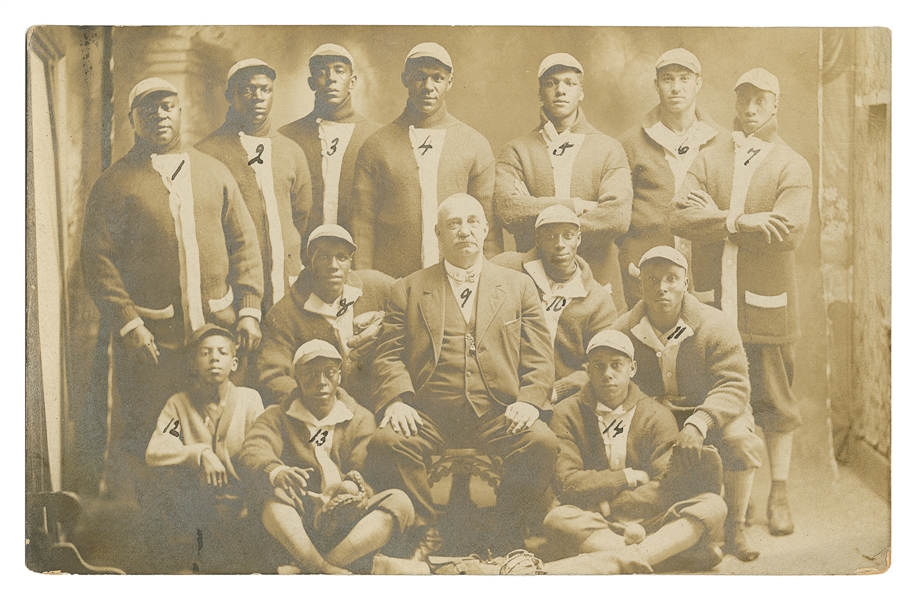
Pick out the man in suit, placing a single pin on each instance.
(464, 359)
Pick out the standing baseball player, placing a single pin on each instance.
(567, 161)
(660, 150)
(331, 136)
(408, 167)
(271, 171)
(745, 207)
(168, 246)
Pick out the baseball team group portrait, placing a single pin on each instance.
(458, 300)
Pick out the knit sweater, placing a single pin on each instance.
(278, 438)
(305, 132)
(288, 325)
(130, 249)
(765, 290)
(182, 434)
(292, 188)
(600, 174)
(387, 226)
(582, 475)
(581, 319)
(654, 187)
(711, 369)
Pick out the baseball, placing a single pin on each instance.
(349, 487)
(634, 534)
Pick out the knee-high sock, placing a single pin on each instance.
(369, 534)
(285, 524)
(780, 452)
(671, 539)
(604, 539)
(738, 492)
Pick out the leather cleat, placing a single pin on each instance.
(429, 543)
(737, 542)
(779, 520)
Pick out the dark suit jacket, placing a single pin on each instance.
(513, 344)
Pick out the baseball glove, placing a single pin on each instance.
(522, 562)
(346, 505)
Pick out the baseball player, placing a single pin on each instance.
(331, 136)
(660, 149)
(745, 207)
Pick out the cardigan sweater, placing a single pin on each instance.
(288, 325)
(764, 275)
(387, 223)
(711, 369)
(600, 174)
(654, 187)
(581, 319)
(278, 438)
(304, 132)
(292, 188)
(582, 475)
(182, 435)
(130, 250)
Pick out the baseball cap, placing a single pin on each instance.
(147, 87)
(559, 59)
(668, 253)
(557, 213)
(251, 63)
(761, 79)
(429, 50)
(333, 231)
(679, 56)
(331, 50)
(207, 330)
(315, 349)
(611, 338)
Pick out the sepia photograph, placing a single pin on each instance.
(482, 299)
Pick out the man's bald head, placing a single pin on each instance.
(461, 228)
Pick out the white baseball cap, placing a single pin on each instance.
(558, 213)
(611, 338)
(559, 59)
(429, 50)
(315, 349)
(332, 231)
(332, 50)
(249, 63)
(668, 253)
(147, 87)
(761, 79)
(679, 56)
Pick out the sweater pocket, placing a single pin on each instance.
(766, 315)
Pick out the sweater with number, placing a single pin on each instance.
(387, 225)
(182, 432)
(765, 292)
(582, 474)
(305, 132)
(600, 174)
(288, 325)
(292, 189)
(581, 319)
(130, 248)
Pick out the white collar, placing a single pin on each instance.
(316, 305)
(646, 333)
(569, 289)
(339, 414)
(462, 275)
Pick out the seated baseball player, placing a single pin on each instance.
(692, 361)
(328, 302)
(303, 458)
(199, 435)
(576, 307)
(613, 475)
